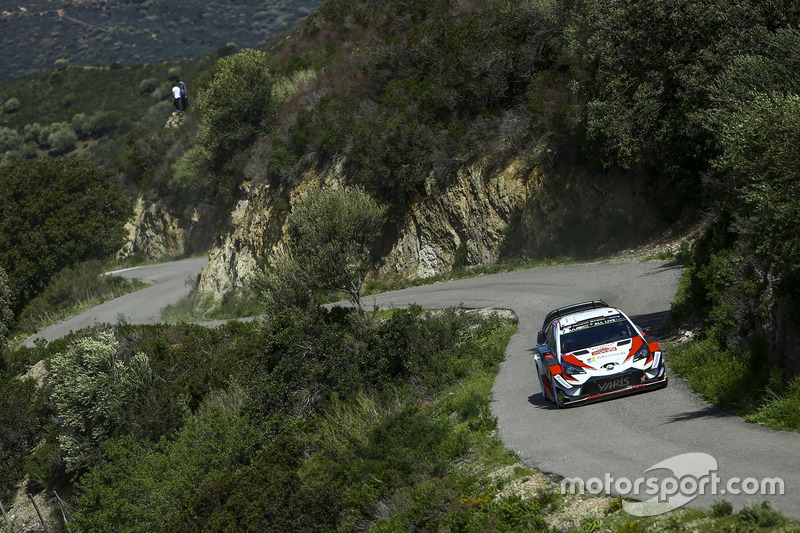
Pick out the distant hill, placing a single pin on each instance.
(34, 34)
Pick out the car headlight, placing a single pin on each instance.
(642, 353)
(570, 369)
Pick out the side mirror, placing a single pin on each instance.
(540, 338)
(644, 331)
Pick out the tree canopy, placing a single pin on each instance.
(331, 232)
(53, 214)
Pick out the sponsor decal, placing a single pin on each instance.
(615, 384)
(604, 350)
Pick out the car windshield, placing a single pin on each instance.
(595, 332)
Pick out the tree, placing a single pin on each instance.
(53, 214)
(331, 232)
(237, 104)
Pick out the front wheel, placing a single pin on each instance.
(557, 401)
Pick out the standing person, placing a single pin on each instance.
(176, 96)
(184, 96)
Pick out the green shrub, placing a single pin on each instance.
(139, 487)
(6, 313)
(721, 508)
(9, 139)
(72, 212)
(237, 104)
(719, 375)
(11, 105)
(43, 467)
(761, 515)
(96, 394)
(22, 419)
(62, 138)
(780, 410)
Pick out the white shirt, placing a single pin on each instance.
(176, 92)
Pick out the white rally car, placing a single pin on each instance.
(590, 351)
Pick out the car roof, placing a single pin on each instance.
(570, 309)
(582, 316)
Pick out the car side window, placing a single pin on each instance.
(550, 335)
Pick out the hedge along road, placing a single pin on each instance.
(168, 283)
(610, 441)
(617, 440)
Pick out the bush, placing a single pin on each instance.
(95, 391)
(721, 508)
(22, 419)
(9, 139)
(761, 515)
(12, 105)
(141, 488)
(62, 138)
(237, 105)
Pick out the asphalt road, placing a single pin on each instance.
(619, 439)
(611, 442)
(168, 283)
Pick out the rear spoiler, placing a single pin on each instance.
(574, 308)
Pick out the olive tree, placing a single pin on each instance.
(331, 232)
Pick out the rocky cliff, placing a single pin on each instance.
(482, 210)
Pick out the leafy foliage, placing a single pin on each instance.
(94, 391)
(648, 75)
(53, 214)
(237, 104)
(139, 487)
(331, 232)
(22, 419)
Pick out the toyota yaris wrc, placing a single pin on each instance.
(590, 351)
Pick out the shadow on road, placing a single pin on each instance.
(705, 412)
(537, 400)
(656, 321)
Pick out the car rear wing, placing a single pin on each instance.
(574, 308)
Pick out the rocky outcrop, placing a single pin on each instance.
(471, 212)
(157, 231)
(468, 219)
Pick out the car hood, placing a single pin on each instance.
(596, 357)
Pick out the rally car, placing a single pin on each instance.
(590, 351)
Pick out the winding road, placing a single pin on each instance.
(168, 283)
(610, 442)
(619, 439)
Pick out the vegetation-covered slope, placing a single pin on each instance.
(699, 101)
(39, 34)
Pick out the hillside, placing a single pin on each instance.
(474, 133)
(37, 34)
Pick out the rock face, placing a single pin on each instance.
(472, 218)
(157, 232)
(463, 221)
(469, 221)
